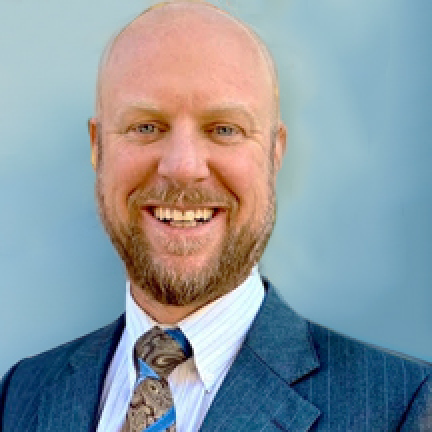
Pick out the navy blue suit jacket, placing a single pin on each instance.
(290, 375)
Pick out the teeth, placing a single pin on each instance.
(189, 215)
(207, 214)
(158, 212)
(187, 218)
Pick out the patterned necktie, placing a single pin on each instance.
(157, 353)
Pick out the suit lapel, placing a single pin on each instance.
(256, 393)
(71, 402)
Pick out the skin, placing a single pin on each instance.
(187, 107)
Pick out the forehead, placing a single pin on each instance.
(193, 49)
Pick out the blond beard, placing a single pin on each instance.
(240, 249)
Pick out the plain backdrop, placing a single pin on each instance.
(352, 247)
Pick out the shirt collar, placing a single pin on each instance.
(215, 332)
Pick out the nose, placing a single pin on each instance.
(184, 156)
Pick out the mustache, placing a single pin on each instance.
(178, 195)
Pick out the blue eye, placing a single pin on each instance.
(145, 132)
(225, 130)
(145, 128)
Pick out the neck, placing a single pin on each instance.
(162, 313)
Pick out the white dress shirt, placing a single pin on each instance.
(216, 333)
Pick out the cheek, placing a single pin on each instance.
(245, 174)
(123, 171)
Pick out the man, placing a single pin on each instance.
(186, 144)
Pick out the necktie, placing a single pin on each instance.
(157, 353)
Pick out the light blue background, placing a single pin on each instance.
(352, 248)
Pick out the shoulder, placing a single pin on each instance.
(50, 363)
(24, 382)
(331, 344)
(353, 382)
(372, 366)
(386, 388)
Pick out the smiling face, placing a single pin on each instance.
(188, 146)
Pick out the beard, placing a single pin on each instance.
(229, 264)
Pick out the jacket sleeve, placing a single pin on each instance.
(419, 415)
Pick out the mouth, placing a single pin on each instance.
(184, 218)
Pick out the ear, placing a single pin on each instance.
(280, 146)
(93, 130)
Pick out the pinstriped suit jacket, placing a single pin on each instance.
(290, 375)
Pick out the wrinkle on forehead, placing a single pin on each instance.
(175, 16)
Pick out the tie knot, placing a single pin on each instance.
(162, 350)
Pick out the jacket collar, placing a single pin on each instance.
(256, 393)
(72, 399)
(279, 330)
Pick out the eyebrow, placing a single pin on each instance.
(136, 108)
(232, 110)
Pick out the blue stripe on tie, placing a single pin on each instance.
(145, 371)
(163, 423)
(180, 338)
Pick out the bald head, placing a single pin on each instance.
(190, 22)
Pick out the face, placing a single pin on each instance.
(188, 152)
